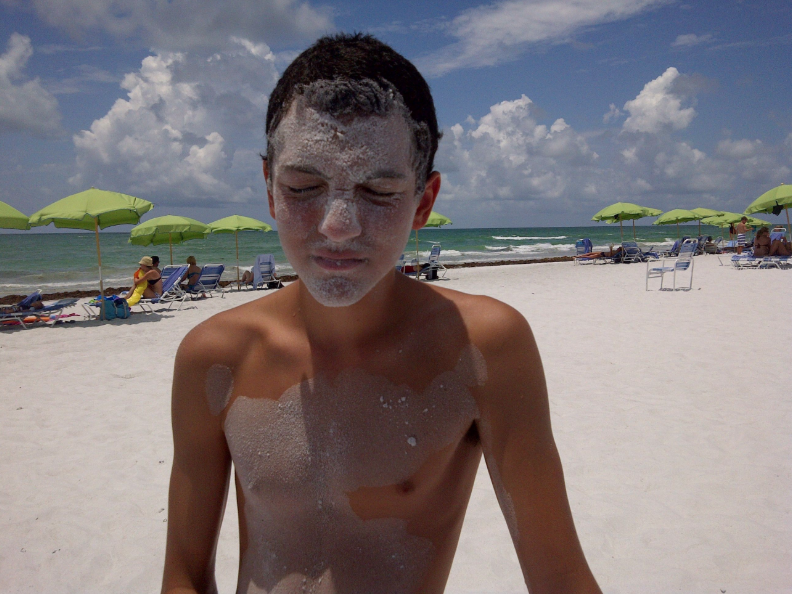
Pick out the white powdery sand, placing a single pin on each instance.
(672, 414)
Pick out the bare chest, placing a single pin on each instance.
(354, 430)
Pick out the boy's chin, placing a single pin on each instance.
(337, 291)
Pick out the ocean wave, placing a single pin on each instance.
(498, 248)
(523, 238)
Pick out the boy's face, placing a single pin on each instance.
(343, 195)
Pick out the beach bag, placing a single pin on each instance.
(116, 307)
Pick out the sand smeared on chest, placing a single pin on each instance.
(299, 457)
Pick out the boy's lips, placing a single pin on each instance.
(338, 261)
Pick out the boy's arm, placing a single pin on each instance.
(199, 478)
(523, 460)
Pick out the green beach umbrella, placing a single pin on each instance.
(676, 216)
(773, 201)
(726, 219)
(624, 211)
(92, 210)
(705, 212)
(11, 218)
(435, 220)
(234, 224)
(168, 229)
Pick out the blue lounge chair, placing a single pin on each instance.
(23, 309)
(171, 292)
(682, 263)
(264, 273)
(583, 246)
(209, 281)
(434, 266)
(631, 252)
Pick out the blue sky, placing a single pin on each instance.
(550, 109)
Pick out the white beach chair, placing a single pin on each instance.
(680, 264)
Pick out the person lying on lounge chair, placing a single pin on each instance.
(762, 243)
(611, 253)
(780, 247)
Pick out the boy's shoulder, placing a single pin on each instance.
(488, 322)
(231, 336)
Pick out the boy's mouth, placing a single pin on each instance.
(337, 262)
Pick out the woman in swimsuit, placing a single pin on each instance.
(192, 275)
(762, 243)
(148, 274)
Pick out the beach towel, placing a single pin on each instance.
(137, 294)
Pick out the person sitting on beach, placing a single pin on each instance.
(192, 276)
(780, 246)
(762, 243)
(146, 282)
(741, 229)
(355, 404)
(247, 277)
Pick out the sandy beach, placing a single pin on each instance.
(671, 411)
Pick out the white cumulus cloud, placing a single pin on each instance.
(25, 106)
(494, 33)
(659, 106)
(186, 24)
(189, 130)
(508, 155)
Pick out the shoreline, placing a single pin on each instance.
(13, 299)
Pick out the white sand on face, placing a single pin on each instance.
(672, 414)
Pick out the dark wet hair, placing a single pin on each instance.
(155, 261)
(358, 75)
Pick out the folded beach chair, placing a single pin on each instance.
(21, 311)
(583, 246)
(264, 273)
(434, 266)
(682, 263)
(171, 293)
(209, 281)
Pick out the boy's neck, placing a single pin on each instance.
(355, 326)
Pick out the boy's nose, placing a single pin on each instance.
(340, 222)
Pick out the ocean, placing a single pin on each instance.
(65, 261)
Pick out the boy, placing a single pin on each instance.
(356, 403)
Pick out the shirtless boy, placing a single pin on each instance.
(742, 228)
(356, 403)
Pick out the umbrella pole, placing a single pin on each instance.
(236, 239)
(634, 238)
(101, 282)
(170, 245)
(786, 209)
(418, 263)
(678, 235)
(621, 230)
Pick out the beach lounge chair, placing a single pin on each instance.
(702, 241)
(171, 293)
(430, 271)
(264, 276)
(631, 252)
(168, 270)
(583, 246)
(682, 263)
(17, 314)
(209, 281)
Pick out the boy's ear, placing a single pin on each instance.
(267, 173)
(427, 201)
